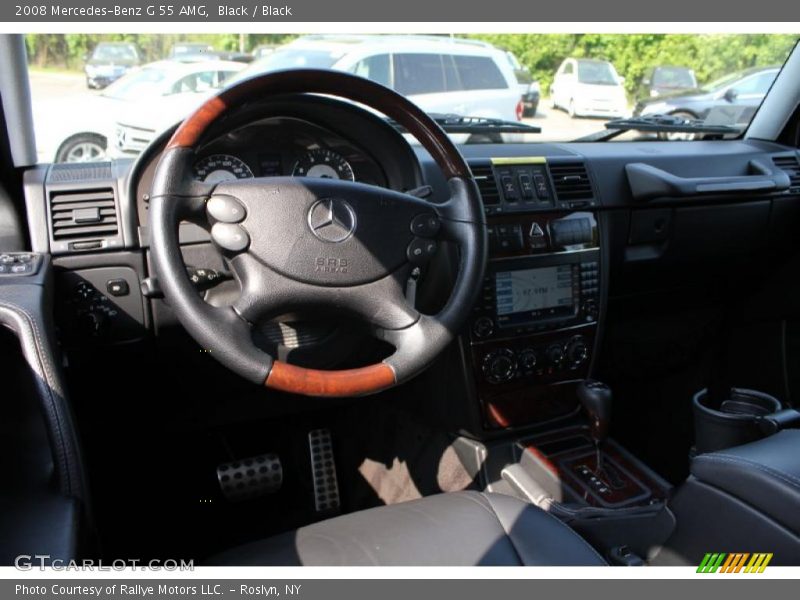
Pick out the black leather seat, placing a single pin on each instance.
(464, 528)
(764, 474)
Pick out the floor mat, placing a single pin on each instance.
(395, 457)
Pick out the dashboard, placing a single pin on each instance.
(571, 227)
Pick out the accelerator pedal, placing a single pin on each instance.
(323, 471)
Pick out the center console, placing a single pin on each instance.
(534, 329)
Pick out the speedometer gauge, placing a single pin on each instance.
(323, 163)
(221, 167)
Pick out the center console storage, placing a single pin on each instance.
(618, 506)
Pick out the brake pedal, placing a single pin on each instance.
(323, 471)
(251, 477)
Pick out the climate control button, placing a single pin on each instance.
(555, 354)
(527, 359)
(577, 352)
(500, 365)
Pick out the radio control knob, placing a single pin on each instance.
(555, 354)
(527, 359)
(577, 351)
(483, 327)
(500, 366)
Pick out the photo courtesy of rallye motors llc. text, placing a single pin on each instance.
(111, 589)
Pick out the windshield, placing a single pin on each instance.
(596, 73)
(568, 86)
(105, 52)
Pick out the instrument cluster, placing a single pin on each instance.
(276, 147)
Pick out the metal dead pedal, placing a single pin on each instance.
(251, 477)
(323, 471)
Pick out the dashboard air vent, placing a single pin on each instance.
(89, 214)
(571, 181)
(487, 185)
(791, 166)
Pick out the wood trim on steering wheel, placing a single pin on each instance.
(314, 382)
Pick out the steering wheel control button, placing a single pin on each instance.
(118, 287)
(420, 251)
(225, 209)
(332, 220)
(230, 237)
(425, 225)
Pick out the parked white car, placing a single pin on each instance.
(589, 88)
(440, 74)
(78, 128)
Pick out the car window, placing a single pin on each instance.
(568, 69)
(757, 84)
(377, 68)
(419, 74)
(479, 73)
(196, 82)
(667, 77)
(112, 53)
(224, 76)
(596, 73)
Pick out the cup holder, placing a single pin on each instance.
(731, 421)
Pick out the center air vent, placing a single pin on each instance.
(791, 166)
(83, 215)
(571, 181)
(487, 185)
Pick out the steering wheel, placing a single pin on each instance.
(309, 244)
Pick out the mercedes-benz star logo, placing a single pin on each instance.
(332, 220)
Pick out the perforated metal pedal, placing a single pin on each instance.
(323, 471)
(251, 477)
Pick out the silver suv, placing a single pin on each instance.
(440, 74)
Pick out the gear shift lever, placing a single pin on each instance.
(595, 396)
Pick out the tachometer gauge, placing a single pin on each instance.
(221, 167)
(323, 163)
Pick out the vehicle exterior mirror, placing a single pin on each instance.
(730, 94)
(620, 79)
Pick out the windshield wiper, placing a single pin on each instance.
(459, 124)
(658, 124)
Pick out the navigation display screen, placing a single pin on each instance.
(531, 294)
